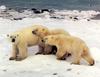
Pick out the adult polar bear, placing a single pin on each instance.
(20, 41)
(70, 44)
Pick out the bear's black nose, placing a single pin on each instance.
(42, 40)
(13, 40)
(33, 32)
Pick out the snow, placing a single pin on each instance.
(48, 65)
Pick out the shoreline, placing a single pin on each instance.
(9, 13)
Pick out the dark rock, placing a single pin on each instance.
(70, 17)
(36, 11)
(33, 9)
(69, 69)
(97, 17)
(55, 73)
(88, 19)
(17, 18)
(9, 8)
(75, 18)
(43, 10)
(4, 70)
(54, 17)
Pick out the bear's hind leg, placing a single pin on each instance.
(88, 58)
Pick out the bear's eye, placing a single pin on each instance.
(10, 36)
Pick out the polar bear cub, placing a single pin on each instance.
(70, 44)
(43, 31)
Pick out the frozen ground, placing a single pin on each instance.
(47, 65)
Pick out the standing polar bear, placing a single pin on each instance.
(43, 31)
(20, 41)
(70, 44)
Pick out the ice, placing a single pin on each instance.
(3, 8)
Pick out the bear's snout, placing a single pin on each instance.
(13, 40)
(33, 32)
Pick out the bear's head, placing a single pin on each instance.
(40, 31)
(50, 39)
(13, 38)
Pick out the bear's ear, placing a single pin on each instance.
(7, 35)
(35, 30)
(17, 35)
(52, 37)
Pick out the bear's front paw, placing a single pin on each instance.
(19, 59)
(44, 53)
(92, 63)
(61, 58)
(76, 63)
(12, 58)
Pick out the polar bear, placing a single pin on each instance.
(43, 31)
(21, 40)
(69, 44)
